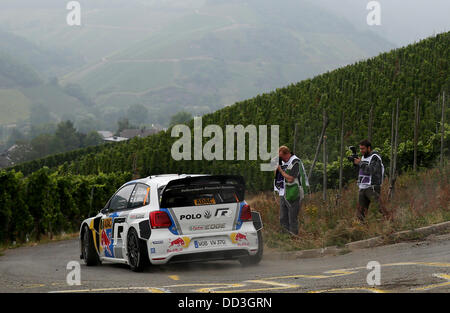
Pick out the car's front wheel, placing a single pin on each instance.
(137, 251)
(90, 255)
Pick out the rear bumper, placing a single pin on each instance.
(236, 244)
(209, 256)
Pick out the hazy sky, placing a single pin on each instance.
(402, 21)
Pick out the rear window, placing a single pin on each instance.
(206, 190)
(200, 196)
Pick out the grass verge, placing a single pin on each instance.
(420, 199)
(31, 243)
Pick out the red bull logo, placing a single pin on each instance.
(105, 242)
(178, 244)
(239, 238)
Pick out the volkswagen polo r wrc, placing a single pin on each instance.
(174, 218)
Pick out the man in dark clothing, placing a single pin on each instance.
(291, 184)
(370, 178)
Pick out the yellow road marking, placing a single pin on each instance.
(231, 287)
(374, 290)
(155, 290)
(336, 273)
(33, 286)
(151, 289)
(443, 276)
(212, 289)
(278, 286)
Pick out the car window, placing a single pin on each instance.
(120, 200)
(140, 196)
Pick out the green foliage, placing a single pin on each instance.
(50, 202)
(181, 117)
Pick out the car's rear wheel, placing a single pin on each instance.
(254, 259)
(90, 255)
(137, 251)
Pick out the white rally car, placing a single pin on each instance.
(174, 218)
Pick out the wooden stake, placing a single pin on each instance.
(341, 168)
(295, 140)
(441, 161)
(416, 131)
(394, 168)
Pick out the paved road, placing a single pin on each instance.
(406, 267)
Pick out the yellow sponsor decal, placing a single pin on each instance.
(204, 201)
(107, 223)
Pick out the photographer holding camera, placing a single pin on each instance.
(291, 183)
(370, 178)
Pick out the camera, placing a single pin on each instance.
(354, 154)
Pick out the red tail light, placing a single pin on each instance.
(160, 219)
(246, 213)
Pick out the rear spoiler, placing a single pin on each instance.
(203, 183)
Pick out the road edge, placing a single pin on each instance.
(361, 244)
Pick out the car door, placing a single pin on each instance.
(113, 221)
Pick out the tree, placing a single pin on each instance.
(181, 117)
(66, 137)
(92, 139)
(124, 123)
(137, 114)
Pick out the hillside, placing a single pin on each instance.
(196, 56)
(25, 97)
(420, 70)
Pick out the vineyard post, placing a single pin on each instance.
(391, 160)
(416, 130)
(324, 168)
(322, 134)
(295, 139)
(369, 135)
(441, 161)
(341, 155)
(394, 168)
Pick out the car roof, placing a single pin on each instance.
(162, 179)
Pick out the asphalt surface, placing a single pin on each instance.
(405, 267)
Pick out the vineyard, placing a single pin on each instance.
(56, 189)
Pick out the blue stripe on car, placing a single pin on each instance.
(172, 228)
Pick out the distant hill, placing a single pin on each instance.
(194, 55)
(224, 52)
(23, 92)
(418, 71)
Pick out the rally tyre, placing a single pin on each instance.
(90, 255)
(254, 259)
(136, 251)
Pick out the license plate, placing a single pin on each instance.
(209, 243)
(204, 201)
